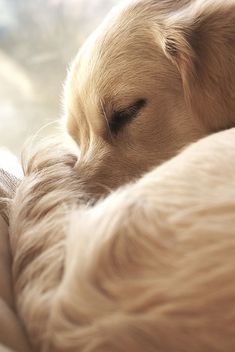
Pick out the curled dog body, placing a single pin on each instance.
(149, 268)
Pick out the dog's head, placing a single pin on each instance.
(148, 81)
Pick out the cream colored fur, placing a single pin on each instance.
(180, 59)
(149, 268)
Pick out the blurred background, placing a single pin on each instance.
(38, 39)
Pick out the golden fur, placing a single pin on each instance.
(151, 266)
(179, 59)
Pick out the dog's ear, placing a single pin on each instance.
(179, 47)
(199, 39)
(187, 36)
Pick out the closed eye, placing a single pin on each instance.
(120, 118)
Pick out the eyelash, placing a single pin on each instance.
(119, 119)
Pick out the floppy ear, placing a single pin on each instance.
(178, 47)
(200, 40)
(188, 38)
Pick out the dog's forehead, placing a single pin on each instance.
(115, 58)
(128, 25)
(113, 52)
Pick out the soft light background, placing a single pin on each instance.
(38, 39)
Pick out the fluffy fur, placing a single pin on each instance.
(177, 56)
(149, 268)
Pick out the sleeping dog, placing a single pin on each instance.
(154, 77)
(150, 267)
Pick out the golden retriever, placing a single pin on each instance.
(151, 266)
(155, 76)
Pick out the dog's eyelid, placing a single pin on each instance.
(123, 116)
(137, 105)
